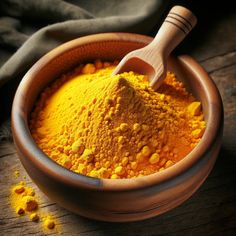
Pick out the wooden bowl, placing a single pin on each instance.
(122, 199)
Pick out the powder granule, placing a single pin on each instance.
(34, 217)
(116, 127)
(49, 223)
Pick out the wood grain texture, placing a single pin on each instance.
(210, 211)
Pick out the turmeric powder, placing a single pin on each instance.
(49, 223)
(115, 127)
(24, 201)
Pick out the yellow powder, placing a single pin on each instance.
(49, 223)
(24, 202)
(116, 127)
(34, 217)
(16, 173)
(29, 203)
(23, 199)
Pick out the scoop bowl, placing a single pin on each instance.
(108, 199)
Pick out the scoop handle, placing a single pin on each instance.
(178, 23)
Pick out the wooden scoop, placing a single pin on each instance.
(151, 59)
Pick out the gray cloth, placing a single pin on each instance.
(30, 28)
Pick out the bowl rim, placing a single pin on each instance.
(27, 147)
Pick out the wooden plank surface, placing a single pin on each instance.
(210, 211)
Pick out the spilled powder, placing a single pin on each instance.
(26, 204)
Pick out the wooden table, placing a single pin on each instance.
(210, 211)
